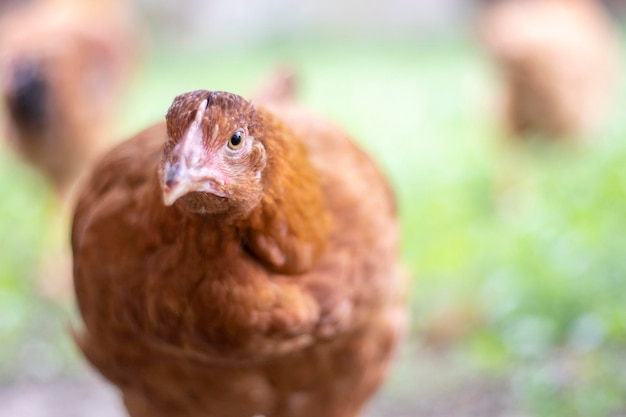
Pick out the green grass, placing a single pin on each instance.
(533, 238)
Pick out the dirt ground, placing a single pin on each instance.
(421, 385)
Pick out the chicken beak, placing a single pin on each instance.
(179, 180)
(176, 184)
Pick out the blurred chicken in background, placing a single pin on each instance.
(64, 66)
(559, 61)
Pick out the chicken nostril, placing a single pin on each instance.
(170, 182)
(172, 176)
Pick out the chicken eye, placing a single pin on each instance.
(236, 141)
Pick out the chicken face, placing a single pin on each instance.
(214, 157)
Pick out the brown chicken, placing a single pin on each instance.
(559, 60)
(237, 261)
(64, 65)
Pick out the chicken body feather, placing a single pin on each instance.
(289, 304)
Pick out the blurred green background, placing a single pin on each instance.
(518, 252)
